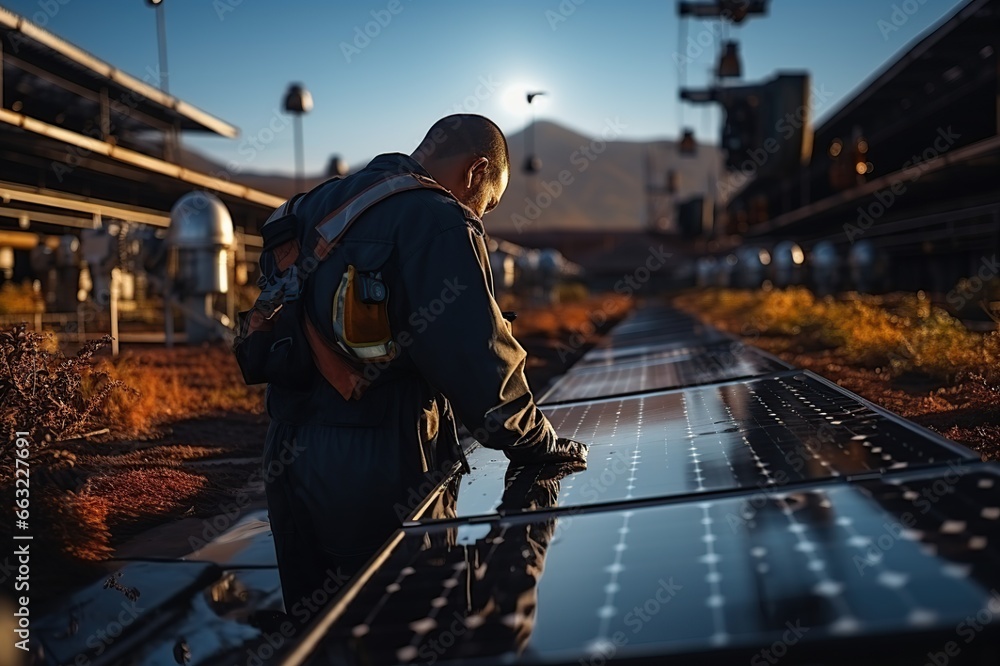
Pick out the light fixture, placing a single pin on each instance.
(532, 163)
(298, 99)
(729, 62)
(688, 146)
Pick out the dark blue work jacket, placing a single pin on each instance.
(363, 464)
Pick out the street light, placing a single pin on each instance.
(688, 146)
(336, 167)
(161, 41)
(532, 163)
(729, 62)
(298, 101)
(171, 143)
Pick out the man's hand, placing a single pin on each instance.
(563, 451)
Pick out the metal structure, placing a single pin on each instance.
(824, 263)
(200, 241)
(85, 150)
(787, 264)
(908, 163)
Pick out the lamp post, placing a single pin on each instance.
(161, 42)
(298, 101)
(532, 163)
(171, 142)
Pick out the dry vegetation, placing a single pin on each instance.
(112, 441)
(170, 385)
(18, 299)
(556, 336)
(899, 351)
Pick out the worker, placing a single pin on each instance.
(344, 467)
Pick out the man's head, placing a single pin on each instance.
(468, 155)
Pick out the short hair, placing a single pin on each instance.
(467, 134)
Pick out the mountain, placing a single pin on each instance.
(606, 181)
(584, 183)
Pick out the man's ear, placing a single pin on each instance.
(476, 171)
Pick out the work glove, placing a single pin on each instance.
(562, 451)
(533, 487)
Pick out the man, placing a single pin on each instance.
(344, 472)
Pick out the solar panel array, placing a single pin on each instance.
(771, 517)
(684, 366)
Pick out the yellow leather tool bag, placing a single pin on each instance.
(360, 317)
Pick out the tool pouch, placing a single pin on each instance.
(360, 316)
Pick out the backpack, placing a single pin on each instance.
(276, 340)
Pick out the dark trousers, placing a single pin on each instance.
(310, 578)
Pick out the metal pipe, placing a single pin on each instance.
(114, 312)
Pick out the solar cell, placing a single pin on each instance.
(754, 576)
(752, 434)
(685, 367)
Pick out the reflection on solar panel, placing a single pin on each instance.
(755, 434)
(883, 571)
(651, 332)
(683, 367)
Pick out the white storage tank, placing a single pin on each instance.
(199, 242)
(825, 264)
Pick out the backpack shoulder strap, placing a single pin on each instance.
(328, 231)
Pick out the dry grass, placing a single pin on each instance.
(170, 385)
(42, 393)
(902, 335)
(578, 316)
(89, 494)
(18, 299)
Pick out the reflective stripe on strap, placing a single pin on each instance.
(338, 221)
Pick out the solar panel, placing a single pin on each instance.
(649, 320)
(753, 434)
(663, 336)
(651, 332)
(856, 572)
(685, 367)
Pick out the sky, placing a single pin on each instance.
(382, 71)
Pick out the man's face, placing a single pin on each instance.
(485, 193)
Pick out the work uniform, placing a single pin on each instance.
(341, 474)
